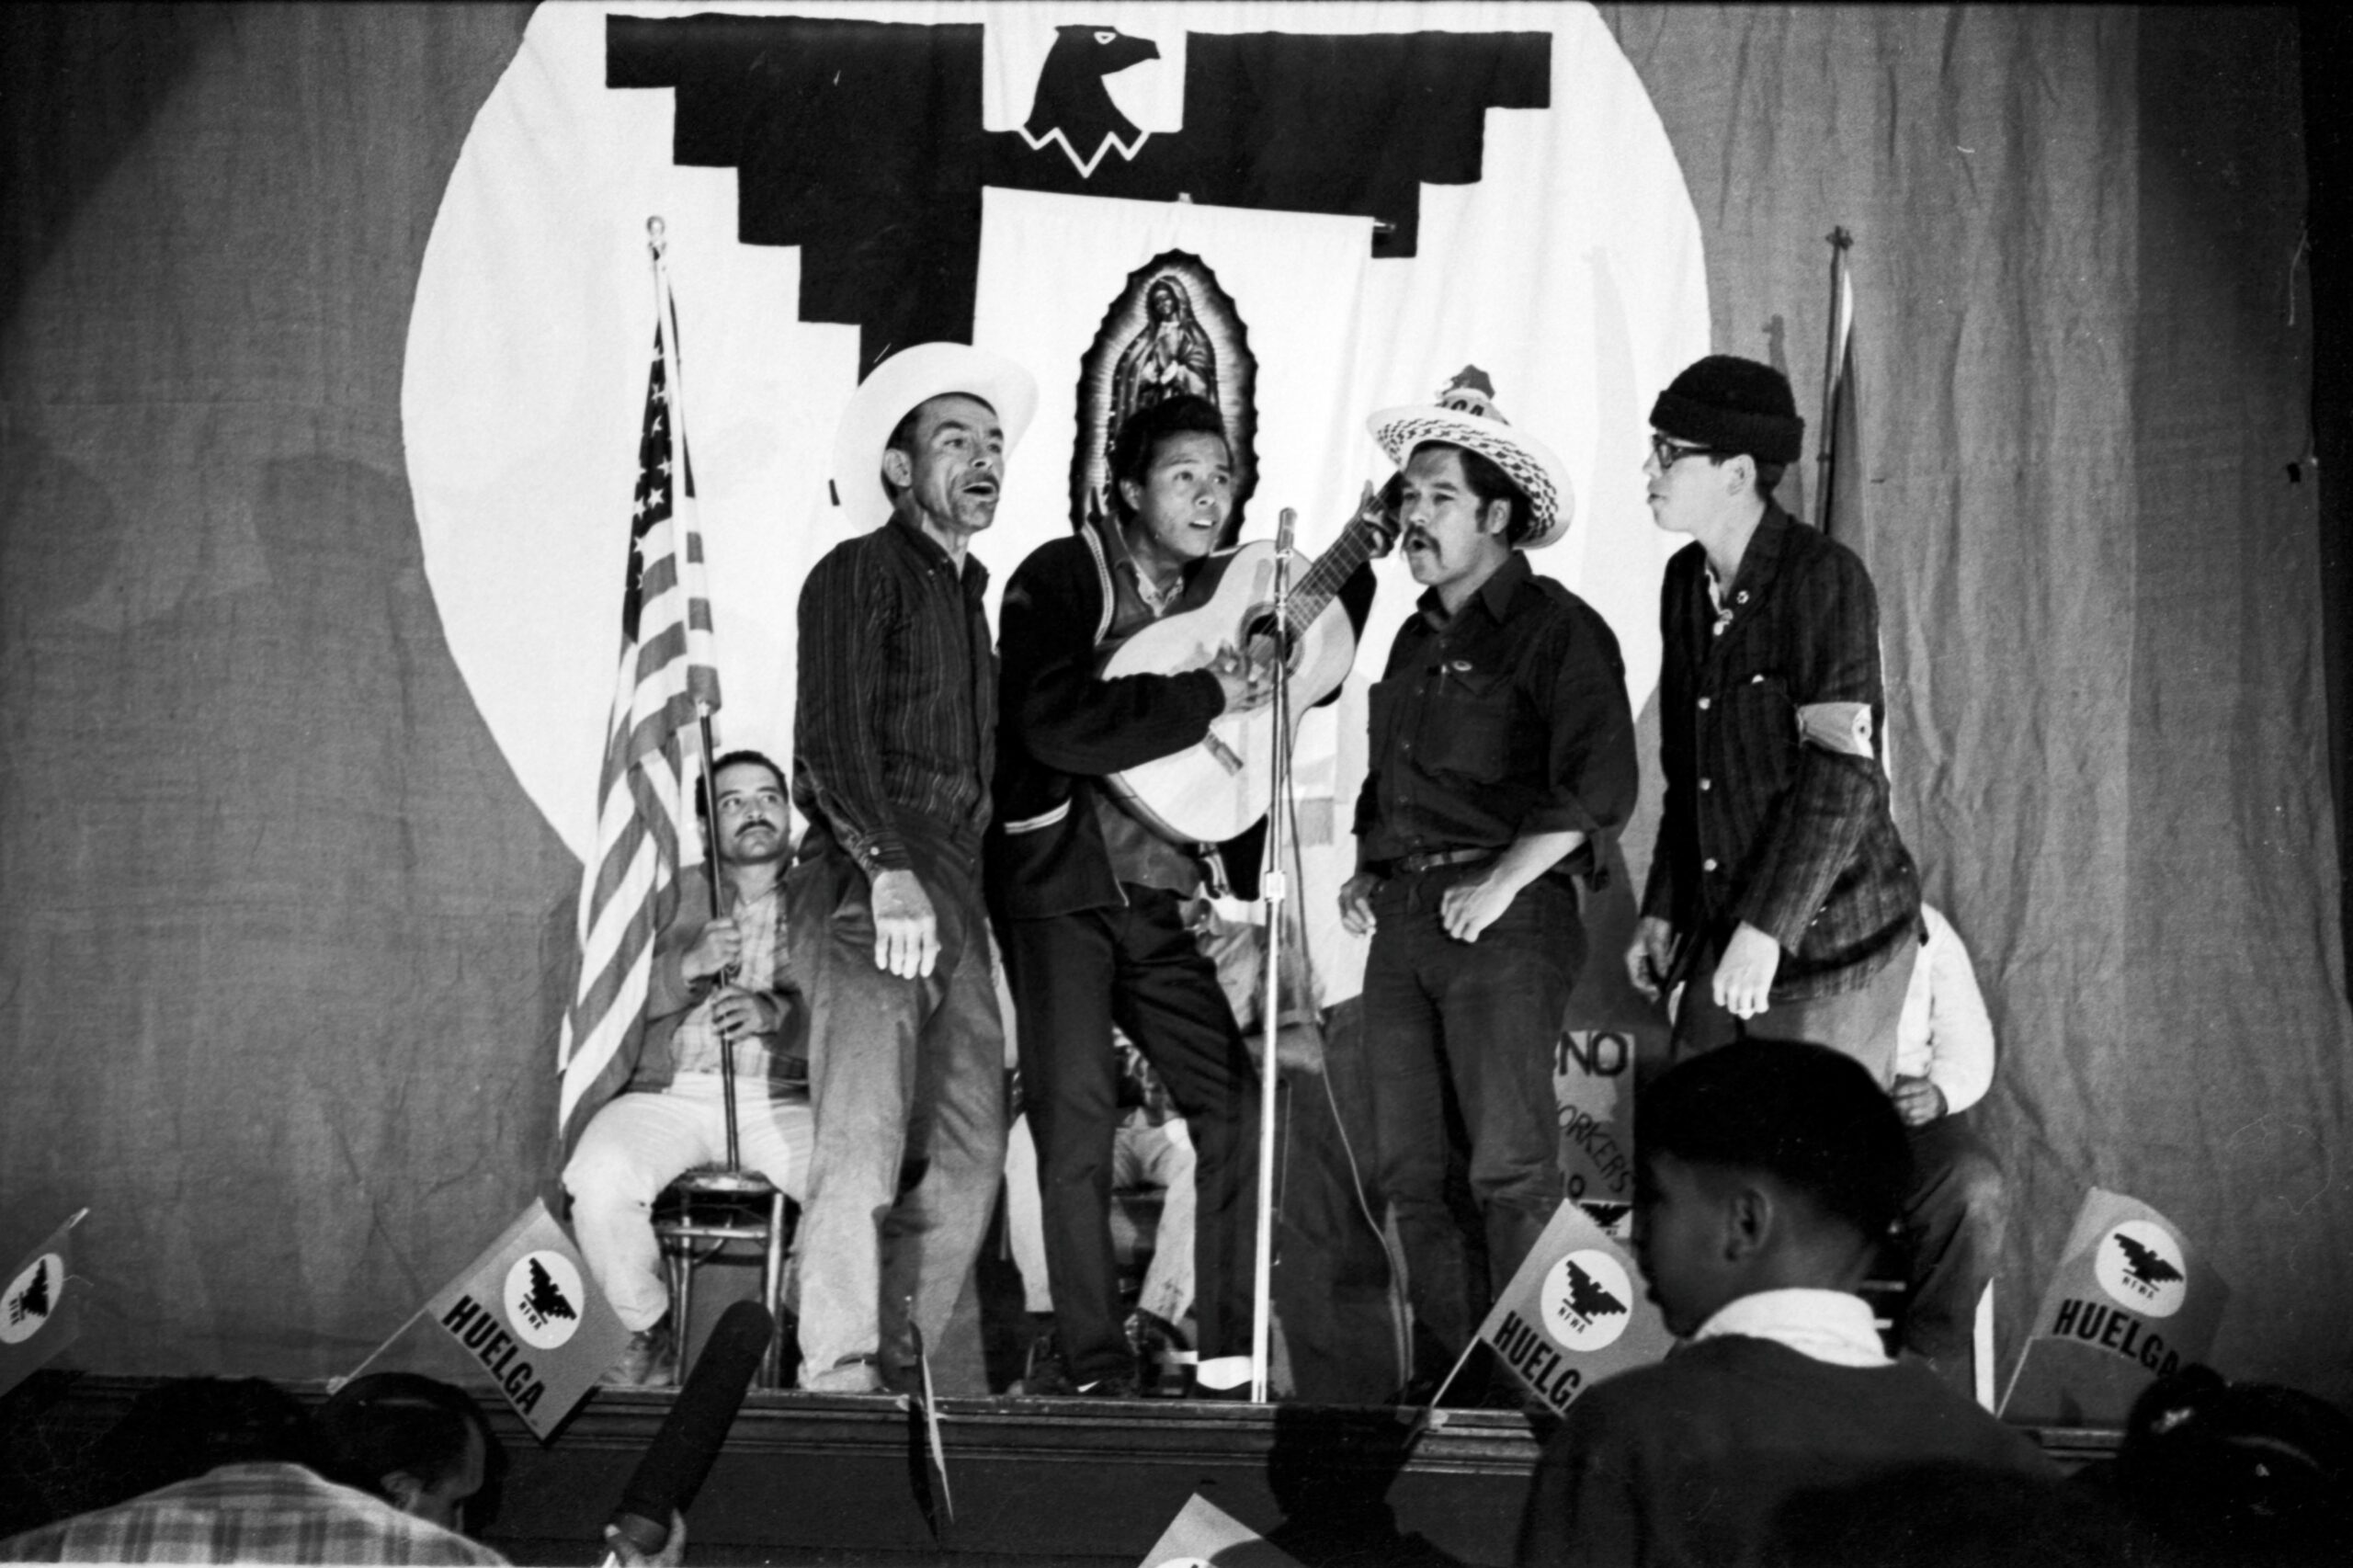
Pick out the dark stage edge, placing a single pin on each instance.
(841, 1480)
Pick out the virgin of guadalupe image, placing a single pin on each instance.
(1170, 357)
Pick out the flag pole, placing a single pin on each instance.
(665, 316)
(1833, 356)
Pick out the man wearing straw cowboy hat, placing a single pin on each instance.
(893, 738)
(1501, 752)
(1781, 889)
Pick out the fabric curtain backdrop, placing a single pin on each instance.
(288, 920)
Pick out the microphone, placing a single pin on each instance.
(1285, 521)
(680, 1455)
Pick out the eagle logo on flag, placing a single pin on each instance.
(2142, 1267)
(31, 1298)
(540, 1291)
(1585, 1301)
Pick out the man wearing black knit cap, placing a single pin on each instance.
(1779, 894)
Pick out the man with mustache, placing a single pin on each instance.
(1780, 890)
(1092, 904)
(719, 999)
(1502, 755)
(894, 734)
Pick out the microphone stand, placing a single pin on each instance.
(1273, 886)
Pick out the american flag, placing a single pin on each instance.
(629, 887)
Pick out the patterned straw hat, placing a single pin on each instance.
(1465, 416)
(912, 377)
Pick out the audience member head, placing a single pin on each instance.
(1763, 1165)
(2247, 1472)
(419, 1444)
(179, 1431)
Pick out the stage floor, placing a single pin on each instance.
(834, 1480)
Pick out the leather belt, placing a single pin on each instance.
(1430, 860)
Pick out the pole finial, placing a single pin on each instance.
(1839, 238)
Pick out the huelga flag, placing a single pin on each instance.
(40, 1310)
(2129, 1303)
(528, 1314)
(1203, 1533)
(1576, 1313)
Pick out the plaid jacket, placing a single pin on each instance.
(248, 1513)
(1777, 801)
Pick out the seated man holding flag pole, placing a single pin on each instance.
(720, 1001)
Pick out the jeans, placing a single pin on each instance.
(1479, 1020)
(907, 1081)
(1141, 966)
(1954, 1219)
(639, 1143)
(1860, 1023)
(1142, 1155)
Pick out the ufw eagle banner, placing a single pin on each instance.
(2129, 1302)
(41, 1307)
(1576, 1313)
(530, 1316)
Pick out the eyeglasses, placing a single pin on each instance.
(1666, 453)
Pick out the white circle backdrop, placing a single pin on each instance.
(1571, 271)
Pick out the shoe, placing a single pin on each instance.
(1165, 1357)
(1049, 1377)
(851, 1374)
(650, 1359)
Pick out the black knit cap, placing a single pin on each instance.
(1733, 404)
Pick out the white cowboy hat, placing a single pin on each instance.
(1466, 416)
(905, 380)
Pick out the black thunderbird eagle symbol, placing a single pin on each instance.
(32, 1301)
(546, 1301)
(2144, 1267)
(1072, 104)
(1589, 1298)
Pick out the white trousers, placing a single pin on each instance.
(1140, 1156)
(639, 1143)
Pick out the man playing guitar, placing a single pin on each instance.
(1089, 902)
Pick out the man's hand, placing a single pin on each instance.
(1917, 1101)
(1744, 974)
(673, 1552)
(720, 947)
(1355, 903)
(1475, 902)
(1247, 682)
(1649, 955)
(738, 1012)
(1377, 510)
(907, 931)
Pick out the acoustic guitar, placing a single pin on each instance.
(1210, 791)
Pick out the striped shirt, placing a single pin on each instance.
(248, 1513)
(696, 1045)
(895, 726)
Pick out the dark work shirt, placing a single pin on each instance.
(894, 730)
(1505, 720)
(1777, 811)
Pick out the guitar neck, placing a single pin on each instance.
(1311, 593)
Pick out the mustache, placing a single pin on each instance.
(1420, 535)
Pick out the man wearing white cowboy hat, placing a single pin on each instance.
(893, 740)
(1502, 754)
